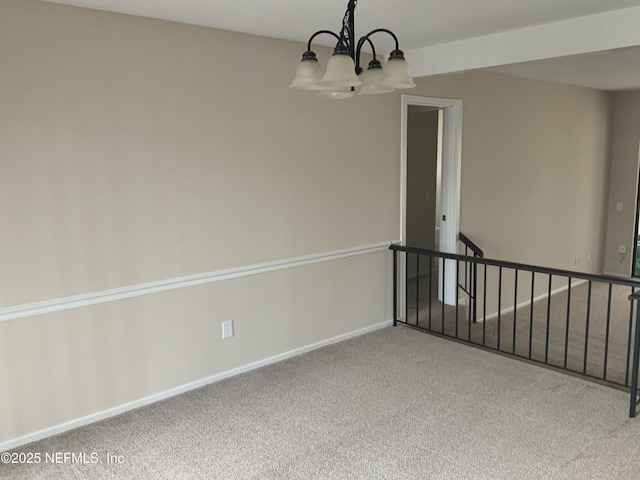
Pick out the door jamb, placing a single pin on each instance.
(450, 191)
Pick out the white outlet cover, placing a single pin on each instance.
(227, 329)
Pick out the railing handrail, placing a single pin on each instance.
(472, 246)
(519, 266)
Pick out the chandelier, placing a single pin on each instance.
(340, 80)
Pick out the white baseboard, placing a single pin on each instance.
(112, 412)
(423, 274)
(618, 275)
(544, 296)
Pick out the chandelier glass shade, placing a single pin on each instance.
(343, 76)
(371, 80)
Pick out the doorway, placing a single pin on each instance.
(445, 200)
(424, 165)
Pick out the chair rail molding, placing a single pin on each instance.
(111, 295)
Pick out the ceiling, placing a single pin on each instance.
(418, 24)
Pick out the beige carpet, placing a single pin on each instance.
(393, 404)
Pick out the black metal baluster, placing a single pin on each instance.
(444, 270)
(533, 280)
(515, 310)
(586, 330)
(546, 343)
(634, 371)
(406, 287)
(566, 333)
(417, 290)
(395, 288)
(467, 282)
(457, 292)
(626, 375)
(470, 309)
(606, 341)
(484, 309)
(499, 304)
(430, 287)
(466, 278)
(468, 288)
(474, 289)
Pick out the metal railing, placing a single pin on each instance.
(470, 285)
(633, 397)
(572, 321)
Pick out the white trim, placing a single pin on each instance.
(451, 166)
(450, 191)
(112, 412)
(454, 142)
(103, 296)
(574, 283)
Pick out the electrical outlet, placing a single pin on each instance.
(227, 329)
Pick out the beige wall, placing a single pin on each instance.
(625, 142)
(534, 168)
(136, 150)
(62, 366)
(534, 184)
(152, 149)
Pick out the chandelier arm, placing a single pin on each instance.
(359, 69)
(319, 32)
(384, 30)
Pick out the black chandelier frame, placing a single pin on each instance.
(347, 45)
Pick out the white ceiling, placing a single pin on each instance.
(417, 23)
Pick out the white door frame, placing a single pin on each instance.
(449, 193)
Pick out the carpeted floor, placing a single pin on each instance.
(392, 404)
